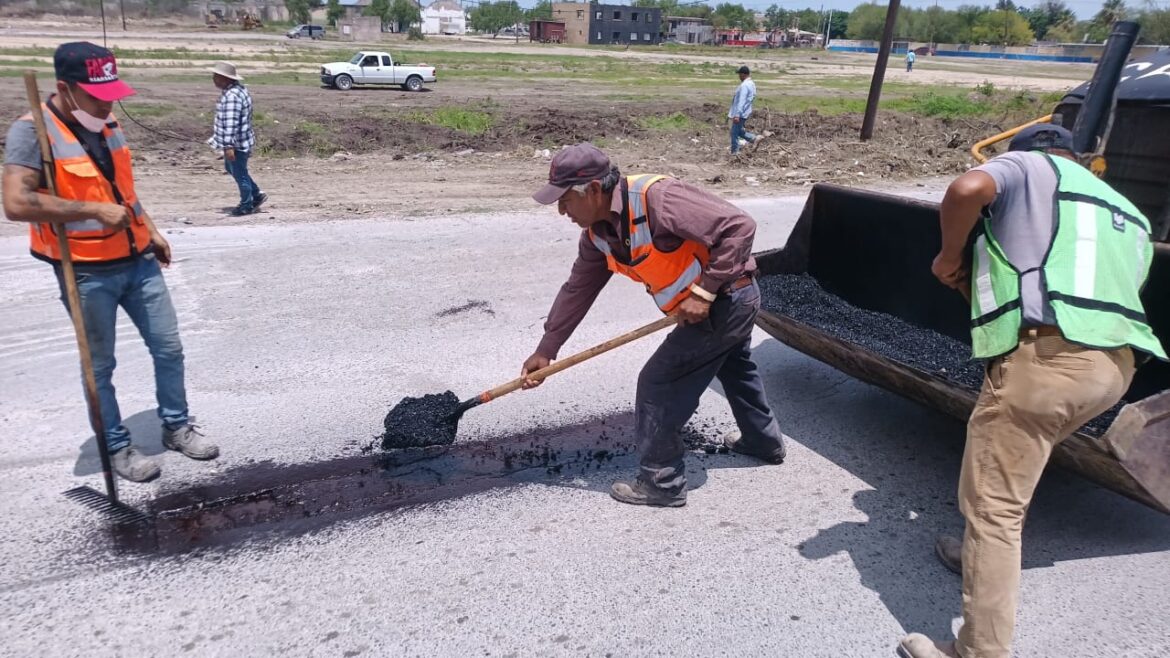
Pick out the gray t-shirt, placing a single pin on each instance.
(21, 147)
(1022, 222)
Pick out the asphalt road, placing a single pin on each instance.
(300, 338)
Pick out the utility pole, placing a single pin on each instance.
(879, 71)
(122, 7)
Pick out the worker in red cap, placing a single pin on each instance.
(116, 248)
(693, 253)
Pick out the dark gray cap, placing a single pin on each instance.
(744, 70)
(580, 163)
(1041, 137)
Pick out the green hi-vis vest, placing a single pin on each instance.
(1096, 265)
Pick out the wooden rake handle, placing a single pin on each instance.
(571, 361)
(71, 294)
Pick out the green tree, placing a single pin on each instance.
(1068, 31)
(1155, 23)
(1111, 12)
(866, 22)
(334, 12)
(736, 16)
(775, 18)
(298, 10)
(1002, 27)
(1046, 15)
(379, 8)
(404, 13)
(495, 16)
(541, 12)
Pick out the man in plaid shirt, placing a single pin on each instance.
(233, 135)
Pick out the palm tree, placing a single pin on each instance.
(1111, 12)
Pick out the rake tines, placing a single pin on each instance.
(118, 512)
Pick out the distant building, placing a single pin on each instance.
(609, 24)
(444, 17)
(687, 29)
(354, 7)
(546, 31)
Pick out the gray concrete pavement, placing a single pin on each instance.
(299, 338)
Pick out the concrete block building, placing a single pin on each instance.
(609, 24)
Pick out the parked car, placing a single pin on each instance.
(311, 31)
(371, 67)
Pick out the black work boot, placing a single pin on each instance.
(638, 492)
(735, 443)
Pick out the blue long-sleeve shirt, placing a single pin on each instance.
(741, 102)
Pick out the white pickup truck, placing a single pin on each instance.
(371, 67)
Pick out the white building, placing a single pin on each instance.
(444, 17)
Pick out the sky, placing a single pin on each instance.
(1084, 9)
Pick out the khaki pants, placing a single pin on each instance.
(1032, 399)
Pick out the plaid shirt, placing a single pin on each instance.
(233, 120)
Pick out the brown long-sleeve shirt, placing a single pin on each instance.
(676, 211)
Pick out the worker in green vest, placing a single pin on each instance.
(1054, 282)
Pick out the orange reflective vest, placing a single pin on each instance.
(78, 178)
(667, 275)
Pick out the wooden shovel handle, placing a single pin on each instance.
(571, 361)
(71, 293)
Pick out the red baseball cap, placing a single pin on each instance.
(92, 68)
(580, 163)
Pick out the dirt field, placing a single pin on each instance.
(480, 139)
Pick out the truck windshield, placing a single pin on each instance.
(357, 59)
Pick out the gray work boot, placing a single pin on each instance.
(950, 552)
(637, 492)
(917, 645)
(132, 465)
(735, 443)
(189, 441)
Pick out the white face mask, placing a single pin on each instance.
(88, 121)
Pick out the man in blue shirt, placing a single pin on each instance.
(741, 110)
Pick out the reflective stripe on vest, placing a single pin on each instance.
(667, 275)
(78, 178)
(1097, 262)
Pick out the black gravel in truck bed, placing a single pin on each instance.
(801, 298)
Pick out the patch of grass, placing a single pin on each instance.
(464, 120)
(940, 105)
(677, 122)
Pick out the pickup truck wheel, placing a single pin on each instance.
(343, 82)
(414, 83)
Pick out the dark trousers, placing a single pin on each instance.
(680, 370)
(238, 168)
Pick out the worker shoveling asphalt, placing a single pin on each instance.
(433, 419)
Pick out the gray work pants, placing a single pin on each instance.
(680, 370)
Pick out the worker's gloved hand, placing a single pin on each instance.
(532, 364)
(692, 310)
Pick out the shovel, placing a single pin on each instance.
(107, 503)
(434, 419)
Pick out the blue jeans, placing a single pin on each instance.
(674, 378)
(738, 132)
(138, 287)
(238, 168)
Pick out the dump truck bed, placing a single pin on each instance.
(873, 252)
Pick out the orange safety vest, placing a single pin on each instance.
(78, 179)
(667, 275)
